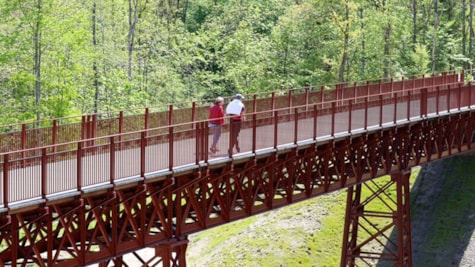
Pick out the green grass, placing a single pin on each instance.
(450, 219)
(265, 241)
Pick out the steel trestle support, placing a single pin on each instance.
(373, 234)
(108, 224)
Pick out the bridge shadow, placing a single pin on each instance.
(443, 214)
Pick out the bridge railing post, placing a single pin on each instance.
(79, 166)
(350, 111)
(333, 118)
(366, 112)
(276, 127)
(296, 125)
(380, 110)
(470, 94)
(112, 159)
(315, 121)
(449, 92)
(44, 172)
(6, 171)
(395, 108)
(254, 132)
(170, 138)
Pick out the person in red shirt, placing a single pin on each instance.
(216, 120)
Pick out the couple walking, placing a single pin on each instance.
(235, 110)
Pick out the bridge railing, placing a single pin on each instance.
(63, 130)
(45, 172)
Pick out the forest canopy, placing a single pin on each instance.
(61, 58)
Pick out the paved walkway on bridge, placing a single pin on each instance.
(25, 183)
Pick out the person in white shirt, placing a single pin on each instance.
(235, 110)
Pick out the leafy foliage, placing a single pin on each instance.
(102, 55)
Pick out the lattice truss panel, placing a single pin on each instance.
(103, 226)
(377, 225)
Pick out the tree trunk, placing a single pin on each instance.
(387, 40)
(185, 10)
(414, 22)
(470, 21)
(424, 16)
(94, 63)
(37, 58)
(363, 55)
(344, 61)
(434, 36)
(464, 28)
(133, 9)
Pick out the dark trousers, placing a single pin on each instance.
(235, 130)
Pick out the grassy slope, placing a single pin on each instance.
(309, 233)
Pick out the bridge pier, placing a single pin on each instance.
(173, 252)
(373, 235)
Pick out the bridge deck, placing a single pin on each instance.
(72, 168)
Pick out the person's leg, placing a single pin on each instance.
(216, 136)
(237, 130)
(213, 144)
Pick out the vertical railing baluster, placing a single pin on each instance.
(470, 94)
(79, 166)
(276, 127)
(170, 138)
(272, 101)
(112, 159)
(350, 111)
(198, 141)
(315, 121)
(205, 138)
(254, 132)
(449, 91)
(44, 173)
(437, 93)
(395, 108)
(380, 110)
(143, 144)
(333, 118)
(6, 172)
(296, 125)
(366, 112)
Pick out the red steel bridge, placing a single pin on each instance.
(96, 188)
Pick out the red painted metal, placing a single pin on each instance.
(6, 184)
(120, 211)
(367, 229)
